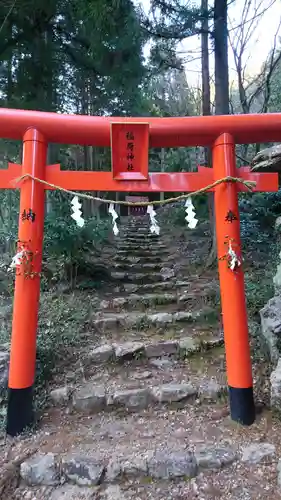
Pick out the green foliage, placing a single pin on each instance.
(259, 289)
(261, 209)
(86, 55)
(175, 214)
(9, 209)
(61, 325)
(64, 238)
(174, 19)
(70, 249)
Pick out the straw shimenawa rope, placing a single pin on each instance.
(248, 184)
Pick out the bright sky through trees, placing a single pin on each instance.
(257, 49)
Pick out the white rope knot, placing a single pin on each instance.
(233, 260)
(154, 227)
(77, 212)
(114, 216)
(190, 211)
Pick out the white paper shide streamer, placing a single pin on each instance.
(154, 227)
(233, 260)
(77, 212)
(190, 211)
(17, 259)
(114, 216)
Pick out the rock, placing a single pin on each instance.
(277, 277)
(102, 354)
(83, 471)
(185, 297)
(40, 470)
(162, 363)
(117, 275)
(165, 465)
(129, 350)
(183, 316)
(133, 260)
(131, 288)
(271, 326)
(4, 369)
(169, 393)
(164, 348)
(119, 301)
(161, 318)
(109, 321)
(72, 492)
(256, 452)
(210, 389)
(214, 458)
(267, 160)
(136, 466)
(275, 392)
(142, 375)
(113, 470)
(104, 304)
(188, 345)
(90, 398)
(279, 472)
(214, 342)
(61, 395)
(167, 273)
(131, 399)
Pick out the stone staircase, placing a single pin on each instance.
(143, 412)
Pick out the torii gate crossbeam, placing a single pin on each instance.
(37, 129)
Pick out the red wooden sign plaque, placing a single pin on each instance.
(129, 151)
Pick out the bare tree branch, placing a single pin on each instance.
(7, 15)
(239, 39)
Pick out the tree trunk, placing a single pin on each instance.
(206, 93)
(206, 97)
(221, 58)
(162, 168)
(221, 92)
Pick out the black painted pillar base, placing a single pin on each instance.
(20, 414)
(242, 406)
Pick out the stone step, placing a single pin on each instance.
(136, 267)
(140, 252)
(120, 352)
(90, 399)
(164, 381)
(107, 321)
(133, 228)
(143, 231)
(133, 259)
(190, 453)
(147, 237)
(158, 286)
(149, 381)
(155, 471)
(149, 300)
(123, 245)
(137, 278)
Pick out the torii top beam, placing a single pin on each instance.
(164, 132)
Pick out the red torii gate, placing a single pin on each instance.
(37, 129)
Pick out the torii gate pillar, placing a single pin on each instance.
(27, 288)
(233, 303)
